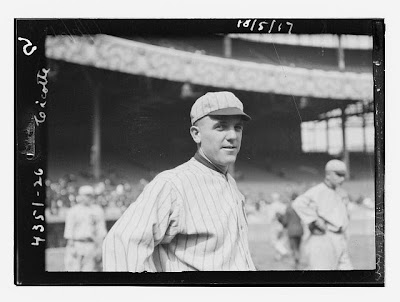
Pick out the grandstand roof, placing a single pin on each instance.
(304, 77)
(277, 50)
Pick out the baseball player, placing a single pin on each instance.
(85, 230)
(190, 218)
(277, 232)
(324, 209)
(292, 223)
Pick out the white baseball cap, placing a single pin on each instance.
(86, 190)
(336, 165)
(217, 103)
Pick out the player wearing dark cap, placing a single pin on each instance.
(191, 217)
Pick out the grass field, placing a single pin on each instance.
(361, 246)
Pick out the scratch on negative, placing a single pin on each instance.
(280, 64)
(68, 30)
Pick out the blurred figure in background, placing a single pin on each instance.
(278, 236)
(85, 230)
(324, 209)
(292, 222)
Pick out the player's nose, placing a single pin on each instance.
(231, 134)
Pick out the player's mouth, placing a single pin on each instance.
(230, 148)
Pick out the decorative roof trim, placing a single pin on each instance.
(137, 58)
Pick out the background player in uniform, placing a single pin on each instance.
(292, 223)
(85, 230)
(324, 209)
(191, 217)
(277, 231)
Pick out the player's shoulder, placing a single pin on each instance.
(316, 189)
(177, 173)
(96, 208)
(343, 193)
(75, 208)
(74, 211)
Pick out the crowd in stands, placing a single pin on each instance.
(114, 196)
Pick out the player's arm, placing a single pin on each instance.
(346, 200)
(152, 218)
(307, 210)
(69, 224)
(101, 229)
(282, 218)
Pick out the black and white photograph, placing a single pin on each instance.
(241, 146)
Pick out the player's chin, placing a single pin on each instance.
(228, 159)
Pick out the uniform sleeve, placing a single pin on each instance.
(101, 229)
(306, 208)
(283, 218)
(152, 218)
(69, 224)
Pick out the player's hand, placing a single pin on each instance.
(317, 227)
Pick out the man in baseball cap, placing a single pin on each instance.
(335, 172)
(217, 103)
(324, 209)
(194, 216)
(217, 125)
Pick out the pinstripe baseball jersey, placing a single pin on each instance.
(190, 218)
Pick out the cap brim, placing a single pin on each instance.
(231, 111)
(340, 171)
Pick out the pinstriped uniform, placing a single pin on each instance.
(188, 218)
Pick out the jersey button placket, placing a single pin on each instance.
(240, 218)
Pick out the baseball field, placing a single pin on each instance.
(361, 245)
(258, 183)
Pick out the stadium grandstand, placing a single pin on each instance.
(119, 111)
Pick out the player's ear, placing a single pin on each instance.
(195, 133)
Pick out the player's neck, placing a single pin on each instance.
(329, 184)
(214, 166)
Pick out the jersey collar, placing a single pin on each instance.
(201, 159)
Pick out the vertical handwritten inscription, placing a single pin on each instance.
(38, 212)
(41, 79)
(37, 206)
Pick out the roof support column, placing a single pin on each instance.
(342, 66)
(364, 125)
(95, 150)
(95, 156)
(327, 136)
(345, 151)
(227, 47)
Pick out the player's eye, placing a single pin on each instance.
(239, 127)
(219, 126)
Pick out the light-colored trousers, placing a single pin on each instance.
(80, 256)
(327, 252)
